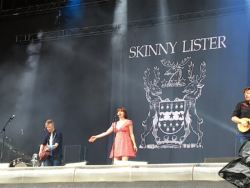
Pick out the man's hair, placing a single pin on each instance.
(49, 121)
(246, 89)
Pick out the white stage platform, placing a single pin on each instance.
(123, 172)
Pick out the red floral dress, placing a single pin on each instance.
(123, 145)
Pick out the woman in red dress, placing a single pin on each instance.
(124, 146)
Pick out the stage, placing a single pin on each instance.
(120, 175)
(176, 68)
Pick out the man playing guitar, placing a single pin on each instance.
(241, 116)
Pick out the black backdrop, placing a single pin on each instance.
(80, 81)
(226, 73)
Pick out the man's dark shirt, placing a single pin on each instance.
(242, 110)
(57, 138)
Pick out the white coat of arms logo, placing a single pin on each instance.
(172, 118)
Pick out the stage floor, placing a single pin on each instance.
(124, 172)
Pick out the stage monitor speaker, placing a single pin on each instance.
(17, 163)
(84, 163)
(72, 153)
(219, 159)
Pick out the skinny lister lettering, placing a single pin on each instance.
(193, 45)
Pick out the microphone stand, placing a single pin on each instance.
(4, 137)
(114, 126)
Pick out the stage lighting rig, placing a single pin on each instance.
(25, 7)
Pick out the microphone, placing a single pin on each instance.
(12, 117)
(116, 117)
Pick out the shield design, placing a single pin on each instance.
(171, 116)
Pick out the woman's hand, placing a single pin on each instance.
(92, 138)
(135, 148)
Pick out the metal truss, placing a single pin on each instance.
(102, 29)
(43, 8)
(189, 16)
(65, 33)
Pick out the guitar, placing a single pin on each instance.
(44, 153)
(243, 128)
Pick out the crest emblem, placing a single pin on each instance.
(171, 116)
(171, 121)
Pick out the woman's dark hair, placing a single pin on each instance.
(122, 109)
